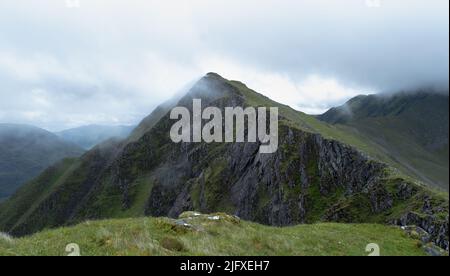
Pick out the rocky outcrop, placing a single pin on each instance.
(309, 179)
(436, 229)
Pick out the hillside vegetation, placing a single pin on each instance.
(216, 234)
(26, 151)
(320, 173)
(409, 130)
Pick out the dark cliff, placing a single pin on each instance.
(311, 178)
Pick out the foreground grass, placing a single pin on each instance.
(205, 235)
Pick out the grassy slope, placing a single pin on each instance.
(28, 197)
(162, 236)
(359, 140)
(409, 131)
(26, 151)
(312, 124)
(405, 153)
(110, 200)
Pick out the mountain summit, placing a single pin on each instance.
(319, 173)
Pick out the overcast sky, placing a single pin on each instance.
(64, 65)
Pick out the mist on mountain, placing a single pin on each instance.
(409, 126)
(25, 151)
(91, 135)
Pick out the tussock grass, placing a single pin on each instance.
(203, 236)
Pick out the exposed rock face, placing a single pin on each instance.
(276, 189)
(425, 217)
(309, 179)
(408, 125)
(437, 229)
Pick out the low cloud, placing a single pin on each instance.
(113, 61)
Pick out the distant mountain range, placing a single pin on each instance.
(26, 151)
(322, 172)
(89, 136)
(411, 129)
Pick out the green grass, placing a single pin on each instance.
(225, 237)
(25, 152)
(142, 166)
(392, 140)
(409, 131)
(37, 190)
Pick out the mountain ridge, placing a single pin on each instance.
(312, 178)
(25, 151)
(411, 128)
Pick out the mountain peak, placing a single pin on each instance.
(313, 177)
(213, 74)
(211, 88)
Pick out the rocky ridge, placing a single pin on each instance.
(309, 179)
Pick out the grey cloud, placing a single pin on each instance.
(113, 61)
(400, 45)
